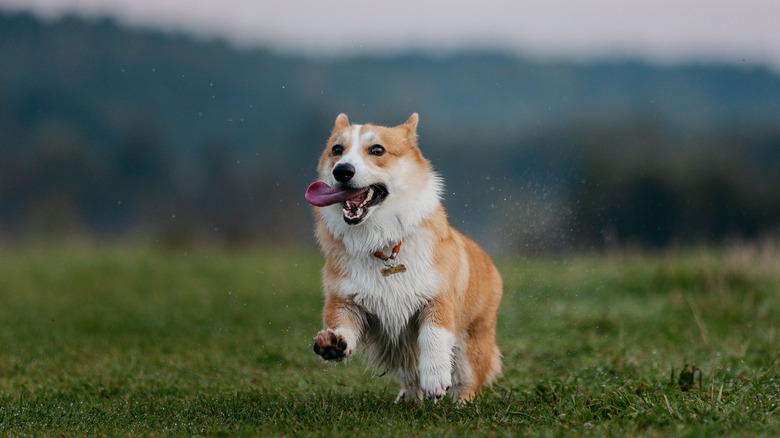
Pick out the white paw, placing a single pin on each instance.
(435, 385)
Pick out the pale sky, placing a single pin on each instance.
(733, 31)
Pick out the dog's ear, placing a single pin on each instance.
(341, 122)
(411, 128)
(411, 124)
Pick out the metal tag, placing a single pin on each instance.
(393, 270)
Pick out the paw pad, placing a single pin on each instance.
(330, 346)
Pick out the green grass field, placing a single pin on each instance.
(130, 340)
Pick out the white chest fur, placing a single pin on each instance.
(393, 299)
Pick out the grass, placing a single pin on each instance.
(132, 340)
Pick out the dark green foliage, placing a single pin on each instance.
(107, 130)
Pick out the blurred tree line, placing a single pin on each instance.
(108, 132)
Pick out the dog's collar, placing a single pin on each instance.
(381, 255)
(390, 266)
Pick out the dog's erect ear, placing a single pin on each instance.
(411, 128)
(341, 122)
(411, 124)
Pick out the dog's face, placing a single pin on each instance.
(366, 169)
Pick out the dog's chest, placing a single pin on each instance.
(394, 298)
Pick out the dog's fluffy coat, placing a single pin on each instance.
(434, 326)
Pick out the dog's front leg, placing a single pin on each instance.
(342, 327)
(436, 341)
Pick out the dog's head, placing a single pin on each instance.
(368, 170)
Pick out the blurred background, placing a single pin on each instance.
(558, 126)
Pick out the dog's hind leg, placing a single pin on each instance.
(480, 361)
(409, 393)
(410, 389)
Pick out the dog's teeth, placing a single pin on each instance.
(369, 195)
(353, 215)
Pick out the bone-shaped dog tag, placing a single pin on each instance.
(393, 270)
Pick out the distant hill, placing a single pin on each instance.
(105, 131)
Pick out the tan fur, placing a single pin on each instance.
(469, 301)
(469, 287)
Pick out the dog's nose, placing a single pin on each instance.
(344, 172)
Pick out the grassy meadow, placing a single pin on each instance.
(134, 340)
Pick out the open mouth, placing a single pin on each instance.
(355, 203)
(356, 209)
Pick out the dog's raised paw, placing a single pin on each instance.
(329, 345)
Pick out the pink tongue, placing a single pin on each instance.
(321, 194)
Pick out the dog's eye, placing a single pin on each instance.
(377, 150)
(337, 150)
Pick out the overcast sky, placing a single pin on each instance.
(735, 31)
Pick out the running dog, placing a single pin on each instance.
(400, 283)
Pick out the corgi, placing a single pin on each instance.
(400, 283)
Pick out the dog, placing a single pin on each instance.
(418, 296)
